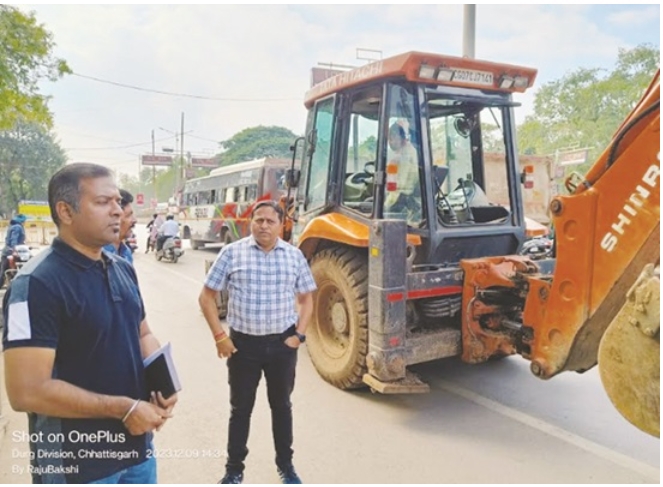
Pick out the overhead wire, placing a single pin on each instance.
(203, 138)
(120, 147)
(184, 95)
(167, 93)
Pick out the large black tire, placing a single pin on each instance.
(337, 338)
(195, 244)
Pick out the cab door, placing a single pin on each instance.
(317, 157)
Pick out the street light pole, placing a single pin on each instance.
(469, 22)
(179, 140)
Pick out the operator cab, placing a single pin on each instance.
(437, 154)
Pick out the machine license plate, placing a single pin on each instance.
(483, 78)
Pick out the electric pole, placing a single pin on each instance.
(182, 151)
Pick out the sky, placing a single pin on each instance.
(249, 65)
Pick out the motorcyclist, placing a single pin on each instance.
(170, 228)
(15, 236)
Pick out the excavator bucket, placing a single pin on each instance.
(629, 354)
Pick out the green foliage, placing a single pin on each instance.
(25, 59)
(368, 149)
(29, 155)
(257, 142)
(585, 107)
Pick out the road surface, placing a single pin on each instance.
(487, 424)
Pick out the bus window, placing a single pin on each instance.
(213, 197)
(279, 175)
(252, 192)
(204, 198)
(242, 194)
(230, 195)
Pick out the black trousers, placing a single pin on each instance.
(257, 355)
(161, 239)
(4, 263)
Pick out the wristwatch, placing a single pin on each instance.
(302, 338)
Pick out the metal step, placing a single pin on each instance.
(410, 384)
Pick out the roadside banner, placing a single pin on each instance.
(35, 210)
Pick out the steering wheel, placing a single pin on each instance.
(359, 178)
(366, 176)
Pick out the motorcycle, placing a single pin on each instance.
(131, 242)
(17, 259)
(171, 250)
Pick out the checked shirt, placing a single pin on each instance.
(261, 286)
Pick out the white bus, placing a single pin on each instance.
(217, 208)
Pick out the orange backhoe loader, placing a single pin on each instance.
(415, 249)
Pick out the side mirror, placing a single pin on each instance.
(464, 126)
(292, 178)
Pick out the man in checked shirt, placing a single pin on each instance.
(264, 277)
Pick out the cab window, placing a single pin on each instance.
(362, 150)
(318, 177)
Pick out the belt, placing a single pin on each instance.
(268, 338)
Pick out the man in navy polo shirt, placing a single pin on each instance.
(74, 341)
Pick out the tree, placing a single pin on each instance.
(25, 59)
(585, 107)
(29, 155)
(257, 142)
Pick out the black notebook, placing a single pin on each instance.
(160, 373)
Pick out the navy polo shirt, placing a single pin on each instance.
(89, 312)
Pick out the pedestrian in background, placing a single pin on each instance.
(15, 236)
(154, 231)
(127, 223)
(264, 277)
(74, 343)
(149, 226)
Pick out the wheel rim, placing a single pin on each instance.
(333, 320)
